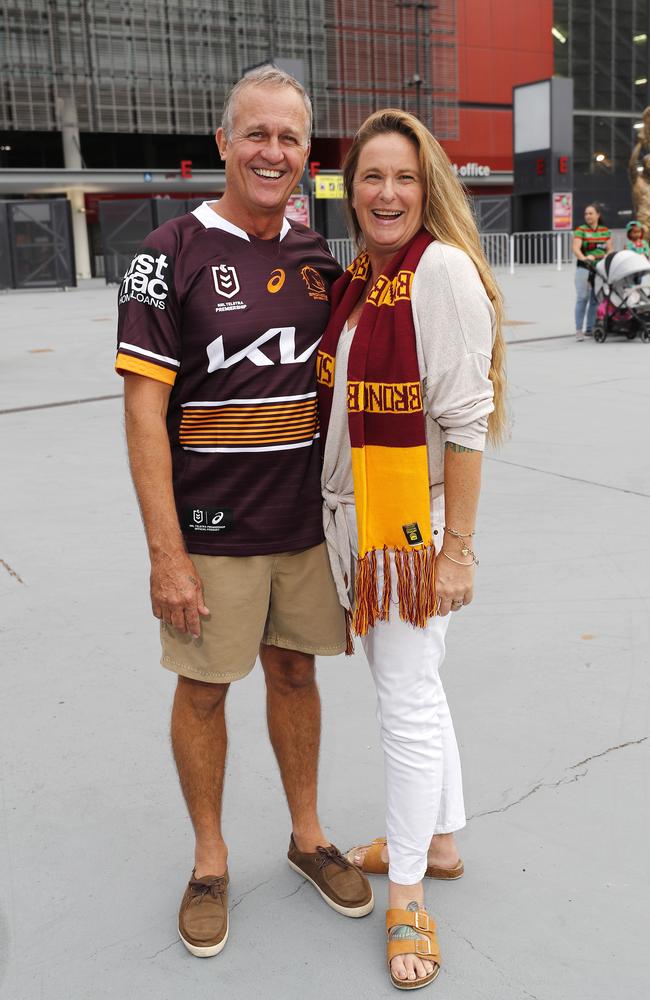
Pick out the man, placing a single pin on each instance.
(221, 313)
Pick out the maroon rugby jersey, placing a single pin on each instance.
(233, 323)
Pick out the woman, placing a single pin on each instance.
(591, 242)
(414, 354)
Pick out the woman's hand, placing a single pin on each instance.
(454, 583)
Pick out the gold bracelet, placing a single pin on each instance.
(459, 534)
(465, 549)
(474, 561)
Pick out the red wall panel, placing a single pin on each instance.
(485, 137)
(496, 38)
(501, 43)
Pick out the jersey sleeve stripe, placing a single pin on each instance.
(127, 363)
(148, 354)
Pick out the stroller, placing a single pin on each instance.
(622, 290)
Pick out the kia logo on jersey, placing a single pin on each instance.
(226, 282)
(287, 342)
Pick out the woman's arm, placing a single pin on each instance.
(455, 325)
(577, 248)
(454, 570)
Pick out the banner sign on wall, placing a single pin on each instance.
(298, 209)
(563, 210)
(329, 186)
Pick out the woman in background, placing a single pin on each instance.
(591, 242)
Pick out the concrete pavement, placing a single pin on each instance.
(546, 673)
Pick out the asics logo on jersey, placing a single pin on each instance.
(276, 281)
(218, 518)
(225, 279)
(287, 341)
(147, 279)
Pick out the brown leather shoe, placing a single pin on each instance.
(342, 885)
(203, 916)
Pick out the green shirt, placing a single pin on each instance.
(641, 247)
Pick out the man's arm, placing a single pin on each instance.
(176, 589)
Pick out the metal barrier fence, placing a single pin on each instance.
(495, 248)
(540, 248)
(508, 250)
(36, 245)
(343, 250)
(126, 223)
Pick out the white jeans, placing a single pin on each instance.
(424, 787)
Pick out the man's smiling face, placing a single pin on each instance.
(266, 153)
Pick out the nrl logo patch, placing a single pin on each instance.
(226, 282)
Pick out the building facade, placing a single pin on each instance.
(163, 68)
(604, 47)
(142, 85)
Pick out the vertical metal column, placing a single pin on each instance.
(72, 161)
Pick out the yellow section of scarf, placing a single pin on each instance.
(393, 477)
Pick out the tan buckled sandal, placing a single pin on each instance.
(425, 947)
(373, 864)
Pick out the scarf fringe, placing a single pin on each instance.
(416, 589)
(349, 637)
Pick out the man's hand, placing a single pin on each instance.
(177, 592)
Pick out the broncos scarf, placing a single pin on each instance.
(387, 434)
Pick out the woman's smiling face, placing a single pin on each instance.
(388, 192)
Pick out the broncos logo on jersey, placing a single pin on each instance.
(315, 285)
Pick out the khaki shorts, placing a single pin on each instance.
(287, 600)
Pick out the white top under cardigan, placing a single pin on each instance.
(454, 333)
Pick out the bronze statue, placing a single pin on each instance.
(640, 173)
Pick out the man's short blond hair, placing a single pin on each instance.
(269, 76)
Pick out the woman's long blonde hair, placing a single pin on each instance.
(448, 217)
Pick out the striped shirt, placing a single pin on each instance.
(593, 241)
